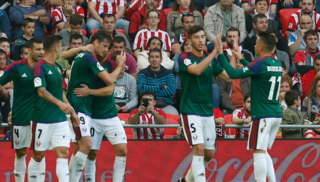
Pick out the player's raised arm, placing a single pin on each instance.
(72, 52)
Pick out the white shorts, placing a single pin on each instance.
(49, 136)
(83, 129)
(199, 129)
(111, 128)
(263, 133)
(21, 136)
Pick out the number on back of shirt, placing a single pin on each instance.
(79, 55)
(275, 86)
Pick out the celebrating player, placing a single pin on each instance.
(20, 72)
(50, 126)
(197, 69)
(83, 72)
(266, 112)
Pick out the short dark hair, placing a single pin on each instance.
(194, 29)
(101, 36)
(313, 2)
(155, 50)
(75, 36)
(114, 56)
(153, 10)
(256, 2)
(75, 19)
(33, 41)
(271, 31)
(283, 65)
(310, 32)
(186, 15)
(153, 38)
(232, 29)
(118, 40)
(176, 6)
(291, 96)
(183, 44)
(255, 18)
(3, 39)
(148, 92)
(23, 48)
(248, 95)
(50, 41)
(105, 15)
(26, 21)
(3, 52)
(268, 41)
(317, 57)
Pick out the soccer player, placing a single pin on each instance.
(266, 112)
(20, 72)
(50, 127)
(84, 71)
(197, 69)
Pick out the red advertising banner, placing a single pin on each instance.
(168, 160)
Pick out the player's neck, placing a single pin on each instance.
(31, 62)
(197, 53)
(153, 27)
(50, 57)
(265, 54)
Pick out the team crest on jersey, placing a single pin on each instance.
(187, 62)
(99, 66)
(17, 141)
(37, 82)
(38, 143)
(84, 129)
(290, 25)
(194, 136)
(1, 73)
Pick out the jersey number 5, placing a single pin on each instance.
(273, 87)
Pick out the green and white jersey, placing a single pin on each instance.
(265, 85)
(196, 96)
(84, 69)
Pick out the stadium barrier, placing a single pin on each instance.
(167, 160)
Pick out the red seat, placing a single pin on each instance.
(228, 120)
(171, 119)
(203, 12)
(167, 11)
(92, 32)
(84, 32)
(121, 31)
(284, 17)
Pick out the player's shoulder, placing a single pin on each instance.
(237, 111)
(134, 112)
(16, 64)
(159, 111)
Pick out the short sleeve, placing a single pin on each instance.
(8, 74)
(184, 62)
(131, 63)
(292, 39)
(93, 63)
(235, 113)
(39, 76)
(274, 1)
(298, 58)
(217, 69)
(162, 113)
(217, 113)
(317, 23)
(56, 17)
(133, 112)
(292, 26)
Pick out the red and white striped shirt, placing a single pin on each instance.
(108, 6)
(141, 3)
(144, 35)
(58, 15)
(311, 133)
(148, 133)
(241, 114)
(294, 21)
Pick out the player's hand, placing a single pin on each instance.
(150, 109)
(218, 44)
(9, 118)
(66, 108)
(82, 92)
(122, 58)
(118, 107)
(236, 53)
(75, 120)
(287, 2)
(88, 48)
(179, 132)
(318, 74)
(248, 120)
(141, 109)
(124, 109)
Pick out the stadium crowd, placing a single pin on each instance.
(138, 26)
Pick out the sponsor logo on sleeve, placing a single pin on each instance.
(187, 62)
(100, 67)
(37, 82)
(57, 18)
(290, 25)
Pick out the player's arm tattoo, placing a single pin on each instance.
(42, 92)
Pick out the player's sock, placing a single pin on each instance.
(119, 167)
(90, 170)
(42, 172)
(198, 169)
(79, 161)
(33, 170)
(189, 177)
(20, 167)
(205, 163)
(62, 170)
(260, 166)
(71, 166)
(270, 170)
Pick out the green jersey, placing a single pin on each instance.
(48, 76)
(104, 107)
(196, 96)
(20, 73)
(265, 85)
(83, 71)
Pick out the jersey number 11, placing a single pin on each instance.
(273, 81)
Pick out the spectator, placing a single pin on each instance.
(138, 21)
(76, 41)
(174, 20)
(27, 9)
(209, 3)
(5, 46)
(61, 14)
(143, 57)
(125, 92)
(159, 80)
(260, 24)
(292, 116)
(25, 53)
(310, 106)
(117, 45)
(311, 133)
(303, 60)
(242, 116)
(136, 5)
(5, 26)
(147, 114)
(51, 5)
(187, 21)
(284, 68)
(3, 61)
(142, 37)
(232, 93)
(109, 25)
(307, 7)
(220, 122)
(5, 106)
(251, 7)
(222, 16)
(115, 7)
(180, 135)
(28, 26)
(310, 76)
(296, 41)
(286, 85)
(261, 7)
(75, 23)
(232, 35)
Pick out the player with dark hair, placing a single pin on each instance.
(50, 126)
(266, 112)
